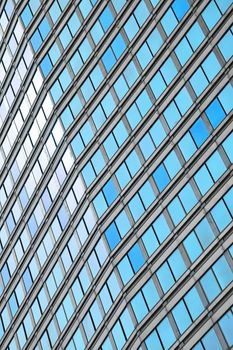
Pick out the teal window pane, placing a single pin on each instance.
(144, 55)
(55, 11)
(97, 32)
(203, 180)
(100, 204)
(123, 176)
(157, 133)
(147, 194)
(131, 27)
(155, 41)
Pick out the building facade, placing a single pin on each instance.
(116, 160)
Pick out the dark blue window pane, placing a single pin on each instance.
(136, 258)
(112, 236)
(199, 132)
(161, 177)
(180, 8)
(215, 113)
(46, 65)
(110, 192)
(108, 59)
(106, 18)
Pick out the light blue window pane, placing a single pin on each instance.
(107, 345)
(44, 28)
(105, 298)
(226, 45)
(155, 41)
(133, 116)
(75, 105)
(53, 336)
(77, 145)
(169, 21)
(36, 41)
(127, 323)
(88, 174)
(78, 340)
(96, 76)
(211, 66)
(195, 35)
(166, 333)
(187, 146)
(210, 286)
(211, 15)
(106, 18)
(118, 336)
(110, 146)
(146, 145)
(183, 100)
(158, 133)
(181, 317)
(141, 13)
(226, 323)
(85, 7)
(56, 91)
(198, 81)
(144, 55)
(87, 89)
(133, 163)
(108, 104)
(161, 228)
(168, 70)
(183, 51)
(223, 272)
(204, 233)
(96, 314)
(113, 285)
(139, 307)
(172, 164)
(77, 291)
(131, 27)
(74, 24)
(55, 11)
(98, 117)
(180, 8)
(136, 207)
(188, 197)
(157, 84)
(131, 73)
(121, 87)
(226, 98)
(153, 342)
(228, 200)
(123, 176)
(34, 5)
(97, 32)
(177, 264)
(216, 165)
(165, 277)
(76, 62)
(210, 341)
(54, 53)
(227, 145)
(150, 241)
(88, 326)
(143, 102)
(98, 161)
(199, 132)
(118, 45)
(46, 65)
(123, 223)
(63, 3)
(65, 79)
(192, 247)
(172, 115)
(150, 294)
(26, 16)
(100, 204)
(125, 270)
(224, 4)
(85, 49)
(215, 113)
(136, 258)
(203, 180)
(194, 303)
(120, 133)
(84, 279)
(118, 4)
(221, 215)
(65, 37)
(147, 194)
(176, 211)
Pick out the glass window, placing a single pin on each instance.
(139, 306)
(136, 257)
(125, 270)
(210, 286)
(223, 272)
(181, 317)
(226, 323)
(221, 215)
(194, 303)
(169, 22)
(166, 333)
(198, 81)
(211, 15)
(177, 264)
(195, 35)
(210, 341)
(165, 277)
